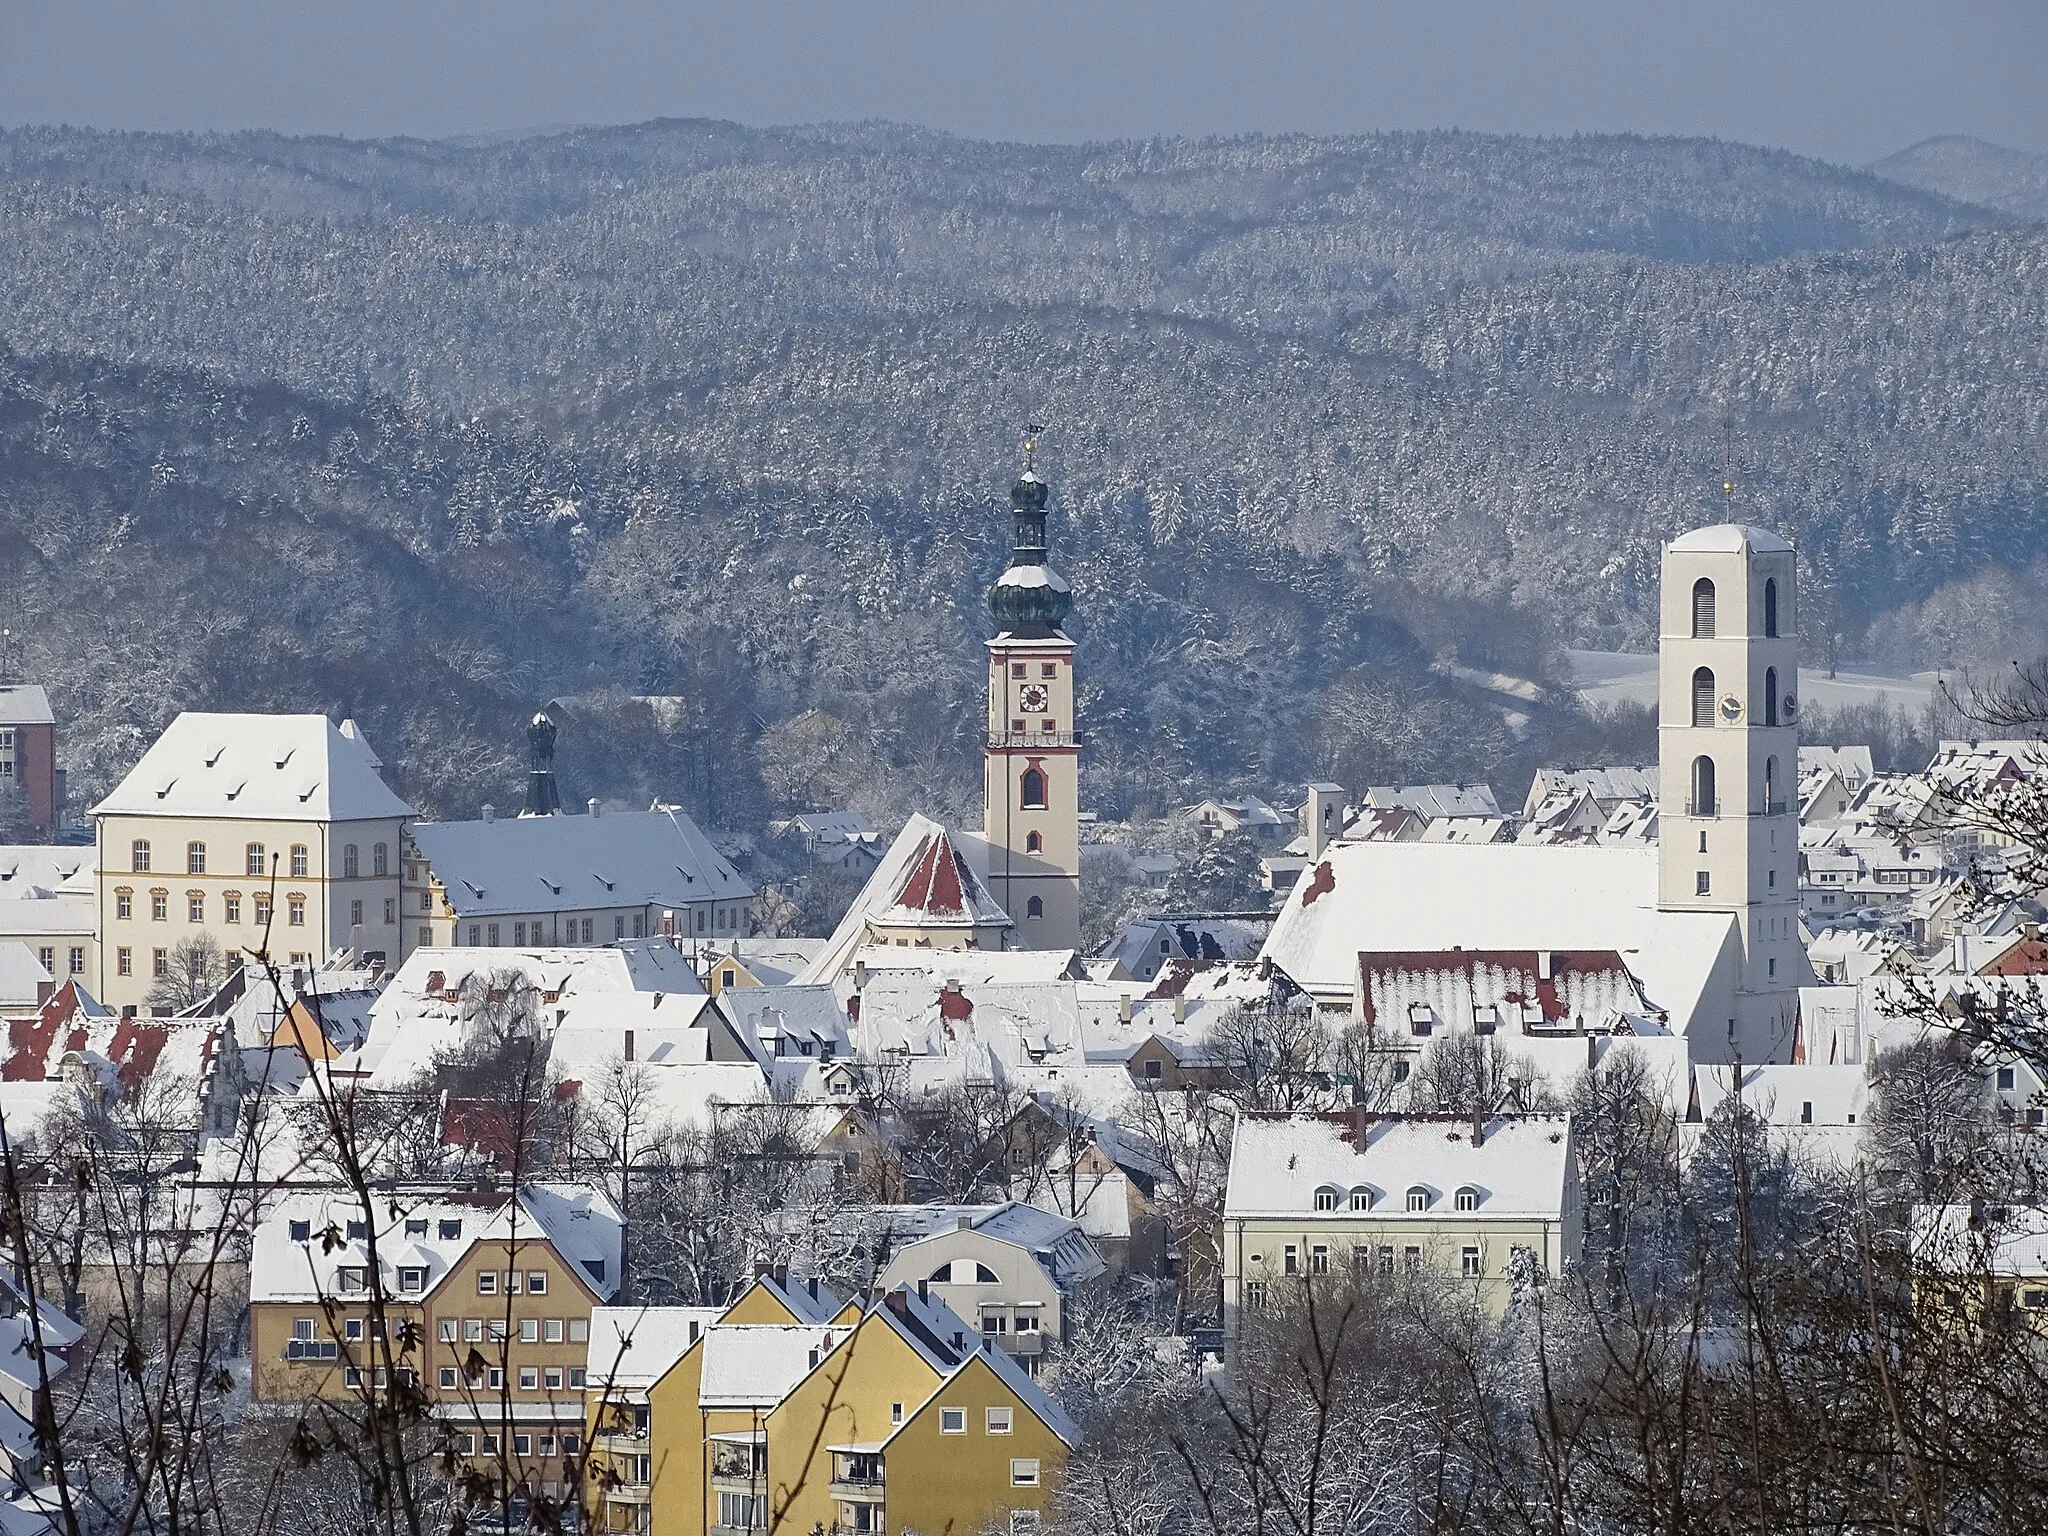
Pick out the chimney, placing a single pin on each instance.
(629, 1045)
(1543, 964)
(1123, 1008)
(490, 814)
(952, 985)
(1180, 1009)
(860, 975)
(963, 1223)
(1359, 1120)
(596, 808)
(1478, 1127)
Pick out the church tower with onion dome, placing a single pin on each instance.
(1031, 764)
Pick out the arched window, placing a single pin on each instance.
(1468, 1199)
(1704, 802)
(1033, 843)
(1771, 608)
(380, 859)
(943, 1275)
(1035, 907)
(1770, 695)
(1703, 609)
(983, 1275)
(349, 862)
(1326, 1199)
(195, 858)
(1418, 1198)
(1361, 1198)
(1031, 789)
(1703, 696)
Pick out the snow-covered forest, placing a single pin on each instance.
(431, 432)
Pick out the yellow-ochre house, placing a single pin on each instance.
(793, 1411)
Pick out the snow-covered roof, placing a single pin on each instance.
(1521, 1169)
(1609, 785)
(114, 1052)
(260, 767)
(2007, 1241)
(430, 1229)
(517, 864)
(1852, 763)
(1406, 992)
(880, 892)
(1789, 1095)
(1729, 539)
(25, 704)
(1436, 800)
(757, 1365)
(1469, 830)
(631, 1348)
(1432, 897)
(938, 889)
(22, 976)
(35, 870)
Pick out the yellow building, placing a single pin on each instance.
(794, 1413)
(238, 826)
(1376, 1197)
(485, 1299)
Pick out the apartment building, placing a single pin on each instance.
(240, 827)
(795, 1413)
(497, 1289)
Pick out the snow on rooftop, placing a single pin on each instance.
(631, 1348)
(757, 1365)
(512, 865)
(262, 767)
(1730, 539)
(25, 704)
(1521, 1169)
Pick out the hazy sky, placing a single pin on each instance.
(1846, 79)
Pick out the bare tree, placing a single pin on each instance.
(193, 972)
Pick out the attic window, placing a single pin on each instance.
(1486, 1018)
(1361, 1198)
(216, 755)
(1468, 1199)
(302, 1231)
(1420, 1018)
(416, 1226)
(1326, 1199)
(1418, 1198)
(450, 1230)
(595, 1267)
(280, 762)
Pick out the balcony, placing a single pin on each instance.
(1025, 740)
(857, 1474)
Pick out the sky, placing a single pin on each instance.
(1847, 80)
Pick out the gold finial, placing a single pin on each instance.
(1031, 434)
(1727, 487)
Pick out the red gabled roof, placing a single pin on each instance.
(933, 883)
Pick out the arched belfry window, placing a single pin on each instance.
(1703, 609)
(1703, 801)
(1031, 789)
(1770, 695)
(1703, 696)
(1771, 608)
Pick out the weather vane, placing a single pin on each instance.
(1031, 434)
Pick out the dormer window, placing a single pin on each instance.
(1418, 1198)
(1326, 1199)
(1468, 1199)
(1486, 1018)
(1420, 1018)
(1361, 1198)
(450, 1230)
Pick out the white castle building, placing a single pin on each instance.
(1410, 935)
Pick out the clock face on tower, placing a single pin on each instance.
(1033, 698)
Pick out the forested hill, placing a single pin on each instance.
(692, 410)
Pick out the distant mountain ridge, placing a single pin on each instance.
(735, 410)
(1973, 171)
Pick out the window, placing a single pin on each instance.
(529, 1378)
(295, 908)
(299, 859)
(487, 1282)
(522, 1445)
(412, 1279)
(895, 1413)
(1290, 1260)
(529, 1330)
(1035, 907)
(536, 1282)
(124, 905)
(1703, 609)
(547, 1445)
(952, 1421)
(1468, 1199)
(1771, 609)
(1702, 883)
(195, 858)
(124, 961)
(1411, 1259)
(491, 930)
(46, 957)
(380, 859)
(352, 1330)
(552, 1332)
(742, 1511)
(353, 1278)
(1048, 669)
(519, 933)
(1703, 697)
(552, 1377)
(1326, 1199)
(472, 1330)
(252, 859)
(195, 909)
(496, 1377)
(618, 928)
(355, 914)
(138, 856)
(450, 1328)
(1770, 695)
(348, 863)
(351, 1377)
(1361, 1199)
(1033, 843)
(1418, 1198)
(1018, 669)
(2006, 1079)
(1031, 789)
(587, 931)
(1705, 800)
(579, 1333)
(262, 913)
(159, 962)
(231, 907)
(302, 1328)
(575, 1381)
(997, 1421)
(427, 935)
(447, 1378)
(1386, 1258)
(75, 960)
(1319, 1259)
(1468, 1263)
(159, 906)
(1255, 1295)
(1024, 1472)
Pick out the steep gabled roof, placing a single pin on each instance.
(940, 890)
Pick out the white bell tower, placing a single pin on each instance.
(1728, 739)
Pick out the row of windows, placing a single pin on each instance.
(254, 859)
(522, 1445)
(46, 957)
(1365, 1260)
(531, 1378)
(231, 907)
(583, 930)
(1703, 702)
(1361, 1196)
(1703, 609)
(1705, 796)
(532, 1330)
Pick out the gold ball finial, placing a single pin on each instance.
(1728, 487)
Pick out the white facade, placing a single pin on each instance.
(1729, 758)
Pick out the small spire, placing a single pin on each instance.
(1031, 436)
